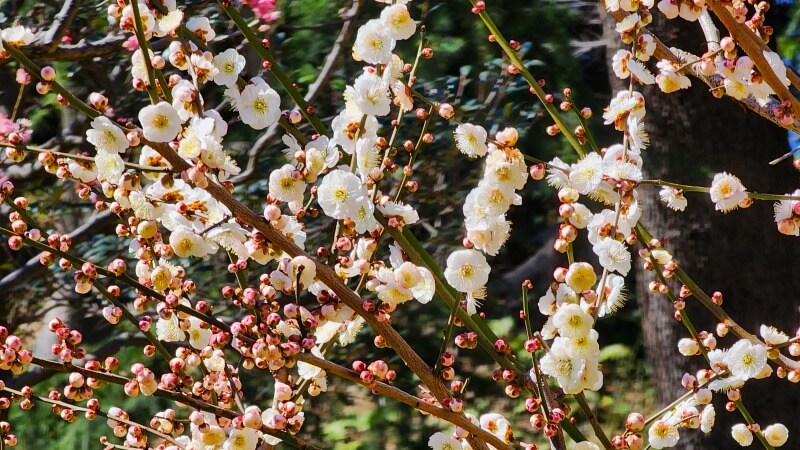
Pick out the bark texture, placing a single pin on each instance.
(740, 253)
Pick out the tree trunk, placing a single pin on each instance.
(693, 136)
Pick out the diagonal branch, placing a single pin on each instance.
(755, 48)
(61, 23)
(404, 397)
(325, 273)
(681, 57)
(313, 90)
(33, 267)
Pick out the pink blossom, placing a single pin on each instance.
(7, 127)
(265, 10)
(131, 44)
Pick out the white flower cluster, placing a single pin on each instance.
(740, 77)
(663, 433)
(573, 355)
(494, 423)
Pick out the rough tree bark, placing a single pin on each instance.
(740, 253)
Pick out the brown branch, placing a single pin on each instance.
(325, 273)
(755, 48)
(404, 397)
(40, 374)
(714, 81)
(313, 90)
(33, 267)
(60, 26)
(78, 51)
(177, 397)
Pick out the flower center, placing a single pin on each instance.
(340, 194)
(564, 367)
(260, 105)
(467, 271)
(160, 121)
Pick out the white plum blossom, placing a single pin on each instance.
(776, 434)
(773, 336)
(406, 212)
(586, 174)
(373, 43)
(614, 295)
(160, 122)
(398, 22)
(201, 27)
(199, 337)
(727, 192)
(669, 80)
(673, 198)
(572, 374)
(613, 255)
(340, 193)
(441, 441)
(471, 140)
(286, 184)
(106, 136)
(229, 65)
(745, 360)
(185, 242)
(17, 36)
(707, 418)
(742, 434)
(169, 330)
(662, 434)
(109, 166)
(785, 217)
(572, 321)
(258, 104)
(372, 95)
(467, 270)
(241, 439)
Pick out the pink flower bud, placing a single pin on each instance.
(446, 111)
(23, 77)
(635, 422)
(727, 44)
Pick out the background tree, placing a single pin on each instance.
(692, 137)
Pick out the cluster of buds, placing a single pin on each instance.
(165, 422)
(447, 360)
(144, 381)
(468, 340)
(549, 424)
(69, 347)
(269, 351)
(9, 439)
(12, 356)
(15, 132)
(61, 243)
(756, 21)
(512, 389)
(134, 435)
(287, 414)
(784, 113)
(376, 371)
(46, 77)
(79, 388)
(84, 278)
(631, 438)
